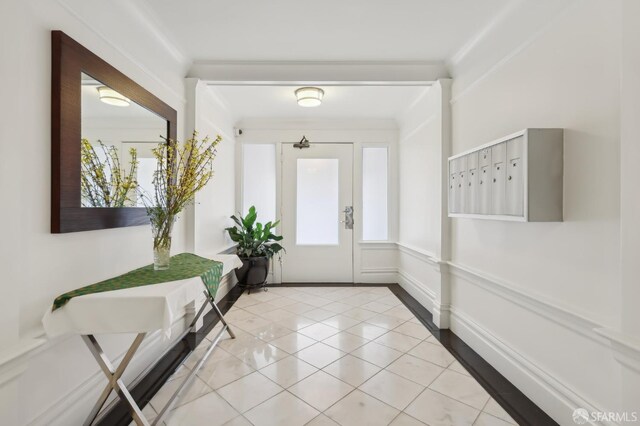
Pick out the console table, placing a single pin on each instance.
(138, 310)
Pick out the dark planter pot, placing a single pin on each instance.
(253, 272)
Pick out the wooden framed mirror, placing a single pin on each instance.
(94, 102)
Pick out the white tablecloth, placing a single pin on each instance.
(132, 310)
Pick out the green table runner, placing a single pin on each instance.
(182, 266)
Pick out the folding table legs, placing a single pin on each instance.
(114, 375)
(115, 382)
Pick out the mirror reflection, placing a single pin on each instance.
(118, 136)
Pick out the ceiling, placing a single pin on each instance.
(330, 30)
(340, 102)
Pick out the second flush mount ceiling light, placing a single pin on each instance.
(111, 97)
(309, 96)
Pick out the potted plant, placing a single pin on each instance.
(256, 246)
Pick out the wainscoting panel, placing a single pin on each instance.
(539, 347)
(378, 263)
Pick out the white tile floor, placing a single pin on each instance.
(327, 356)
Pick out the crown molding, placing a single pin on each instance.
(325, 73)
(178, 95)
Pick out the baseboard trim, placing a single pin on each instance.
(417, 290)
(551, 388)
(518, 405)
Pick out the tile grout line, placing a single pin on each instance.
(416, 317)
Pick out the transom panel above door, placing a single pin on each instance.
(317, 212)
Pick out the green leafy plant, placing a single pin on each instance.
(253, 238)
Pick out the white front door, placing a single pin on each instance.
(317, 189)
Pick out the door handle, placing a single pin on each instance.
(348, 217)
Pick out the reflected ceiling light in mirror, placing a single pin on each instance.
(309, 96)
(111, 97)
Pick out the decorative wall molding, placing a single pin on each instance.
(496, 20)
(356, 125)
(428, 120)
(217, 98)
(508, 57)
(81, 395)
(380, 270)
(562, 316)
(147, 17)
(225, 135)
(527, 368)
(419, 254)
(178, 95)
(13, 361)
(415, 102)
(626, 348)
(370, 73)
(418, 290)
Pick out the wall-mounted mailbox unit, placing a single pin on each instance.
(516, 178)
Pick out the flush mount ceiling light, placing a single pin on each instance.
(111, 97)
(309, 96)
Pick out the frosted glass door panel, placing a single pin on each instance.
(374, 194)
(259, 180)
(317, 186)
(317, 210)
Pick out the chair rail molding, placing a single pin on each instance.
(561, 315)
(420, 254)
(626, 348)
(13, 360)
(434, 297)
(503, 357)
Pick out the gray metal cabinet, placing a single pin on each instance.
(516, 178)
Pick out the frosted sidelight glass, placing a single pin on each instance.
(374, 194)
(259, 180)
(317, 209)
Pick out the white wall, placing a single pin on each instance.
(627, 346)
(548, 285)
(216, 202)
(56, 381)
(423, 226)
(547, 304)
(373, 262)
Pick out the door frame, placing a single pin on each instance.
(279, 199)
(365, 134)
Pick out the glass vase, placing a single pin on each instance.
(162, 256)
(162, 244)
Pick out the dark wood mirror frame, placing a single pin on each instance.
(68, 60)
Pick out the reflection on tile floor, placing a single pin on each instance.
(329, 356)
